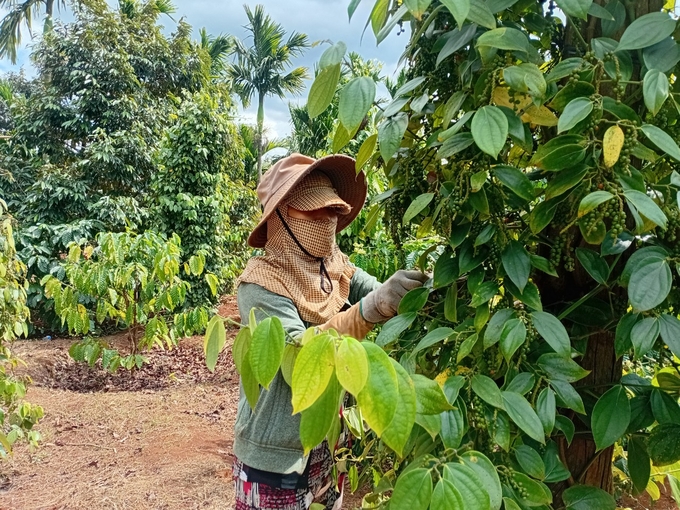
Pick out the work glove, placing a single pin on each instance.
(382, 303)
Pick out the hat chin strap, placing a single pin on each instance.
(323, 272)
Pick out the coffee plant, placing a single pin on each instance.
(132, 281)
(17, 417)
(537, 140)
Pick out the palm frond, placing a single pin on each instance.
(10, 26)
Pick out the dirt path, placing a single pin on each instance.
(159, 439)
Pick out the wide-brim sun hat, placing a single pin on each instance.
(280, 180)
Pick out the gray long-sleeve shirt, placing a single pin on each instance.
(269, 438)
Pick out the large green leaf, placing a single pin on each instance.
(412, 491)
(542, 215)
(662, 140)
(446, 497)
(530, 461)
(355, 100)
(458, 8)
(495, 327)
(587, 497)
(525, 78)
(380, 396)
(333, 55)
(395, 327)
(561, 152)
(313, 369)
(322, 90)
(524, 416)
(662, 56)
(430, 398)
(266, 350)
(577, 110)
(669, 327)
(655, 90)
(664, 407)
(639, 465)
(643, 335)
(453, 426)
(486, 472)
(455, 144)
(546, 409)
(416, 206)
(560, 368)
(316, 420)
(390, 133)
(490, 129)
(504, 39)
(553, 332)
(413, 300)
(398, 431)
(663, 444)
(576, 8)
(487, 390)
(455, 40)
(513, 335)
(646, 30)
(480, 14)
(595, 265)
(517, 263)
(351, 365)
(592, 201)
(568, 396)
(516, 180)
(565, 180)
(649, 284)
(445, 271)
(646, 206)
(215, 339)
(417, 7)
(469, 484)
(433, 337)
(611, 416)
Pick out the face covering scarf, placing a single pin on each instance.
(303, 263)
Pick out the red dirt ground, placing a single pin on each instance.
(159, 438)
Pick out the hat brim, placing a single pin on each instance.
(350, 186)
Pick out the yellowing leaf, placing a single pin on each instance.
(612, 143)
(539, 115)
(501, 96)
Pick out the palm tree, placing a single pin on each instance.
(218, 47)
(21, 13)
(249, 136)
(260, 67)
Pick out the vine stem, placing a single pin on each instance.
(578, 303)
(578, 32)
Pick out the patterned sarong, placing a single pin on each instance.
(259, 496)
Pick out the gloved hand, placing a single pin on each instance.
(382, 303)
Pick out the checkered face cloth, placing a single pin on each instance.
(286, 270)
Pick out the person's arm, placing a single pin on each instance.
(362, 283)
(268, 304)
(378, 305)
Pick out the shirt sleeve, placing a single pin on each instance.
(267, 304)
(362, 283)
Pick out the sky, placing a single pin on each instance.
(319, 19)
